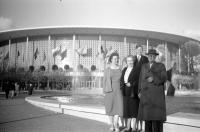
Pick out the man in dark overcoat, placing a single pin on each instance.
(6, 87)
(152, 108)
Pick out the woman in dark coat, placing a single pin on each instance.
(129, 85)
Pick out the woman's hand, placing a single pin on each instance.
(150, 79)
(128, 84)
(139, 95)
(132, 95)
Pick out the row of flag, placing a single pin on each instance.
(55, 52)
(4, 57)
(83, 51)
(58, 52)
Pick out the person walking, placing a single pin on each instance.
(12, 88)
(30, 87)
(17, 88)
(141, 59)
(113, 95)
(6, 88)
(129, 85)
(169, 85)
(152, 107)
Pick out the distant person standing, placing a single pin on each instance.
(141, 59)
(152, 108)
(113, 94)
(17, 88)
(30, 88)
(170, 88)
(12, 88)
(6, 88)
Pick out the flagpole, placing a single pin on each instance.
(23, 55)
(54, 60)
(166, 56)
(124, 48)
(73, 49)
(9, 54)
(16, 55)
(179, 57)
(147, 44)
(27, 40)
(48, 52)
(99, 44)
(79, 54)
(33, 53)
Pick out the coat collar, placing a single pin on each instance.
(154, 63)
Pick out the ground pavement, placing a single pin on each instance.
(16, 115)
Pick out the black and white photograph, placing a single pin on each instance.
(99, 65)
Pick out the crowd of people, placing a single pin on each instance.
(13, 88)
(135, 93)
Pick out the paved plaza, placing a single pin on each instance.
(17, 115)
(22, 114)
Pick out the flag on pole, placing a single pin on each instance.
(100, 49)
(56, 51)
(23, 54)
(44, 57)
(18, 53)
(1, 55)
(36, 54)
(82, 51)
(23, 57)
(6, 56)
(63, 54)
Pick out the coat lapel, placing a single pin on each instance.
(153, 65)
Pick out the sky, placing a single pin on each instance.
(181, 17)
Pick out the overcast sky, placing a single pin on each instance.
(180, 17)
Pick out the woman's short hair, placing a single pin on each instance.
(112, 55)
(134, 58)
(138, 46)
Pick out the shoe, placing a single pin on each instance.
(117, 130)
(139, 130)
(127, 130)
(130, 130)
(112, 129)
(135, 130)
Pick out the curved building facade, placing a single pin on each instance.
(80, 45)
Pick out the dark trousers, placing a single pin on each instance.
(7, 93)
(30, 91)
(153, 126)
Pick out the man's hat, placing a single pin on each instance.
(152, 51)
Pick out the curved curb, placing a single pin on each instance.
(173, 122)
(97, 114)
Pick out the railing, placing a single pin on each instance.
(59, 80)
